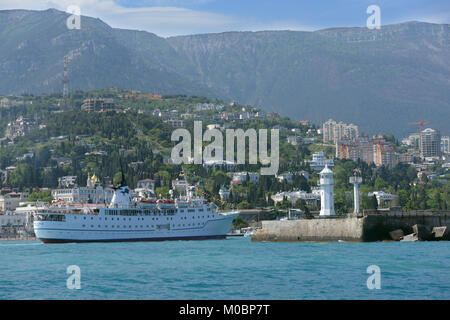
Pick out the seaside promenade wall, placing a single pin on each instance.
(374, 226)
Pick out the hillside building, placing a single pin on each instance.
(430, 143)
(19, 128)
(334, 131)
(241, 177)
(445, 144)
(319, 161)
(94, 192)
(98, 105)
(375, 150)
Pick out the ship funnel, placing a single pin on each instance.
(121, 197)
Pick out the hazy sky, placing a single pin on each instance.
(180, 17)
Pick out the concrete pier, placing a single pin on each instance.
(372, 226)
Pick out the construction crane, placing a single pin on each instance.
(421, 123)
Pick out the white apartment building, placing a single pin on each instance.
(212, 165)
(84, 195)
(445, 144)
(319, 161)
(12, 220)
(92, 193)
(10, 201)
(241, 177)
(430, 143)
(334, 131)
(292, 196)
(67, 181)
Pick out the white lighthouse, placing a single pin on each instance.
(326, 192)
(356, 180)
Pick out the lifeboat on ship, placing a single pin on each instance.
(148, 201)
(165, 203)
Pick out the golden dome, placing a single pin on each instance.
(94, 179)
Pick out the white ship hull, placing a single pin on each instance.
(104, 228)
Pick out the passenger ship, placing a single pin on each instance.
(127, 220)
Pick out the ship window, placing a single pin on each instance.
(84, 225)
(99, 226)
(51, 217)
(84, 218)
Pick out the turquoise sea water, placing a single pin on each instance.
(234, 268)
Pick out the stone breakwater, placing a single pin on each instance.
(373, 226)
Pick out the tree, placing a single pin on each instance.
(301, 204)
(369, 202)
(45, 196)
(117, 180)
(239, 223)
(435, 201)
(380, 184)
(403, 198)
(411, 173)
(163, 192)
(244, 205)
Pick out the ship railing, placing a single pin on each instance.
(68, 211)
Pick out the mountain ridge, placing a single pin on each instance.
(368, 77)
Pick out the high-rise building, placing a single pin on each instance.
(412, 140)
(357, 148)
(383, 153)
(430, 143)
(334, 131)
(375, 150)
(445, 144)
